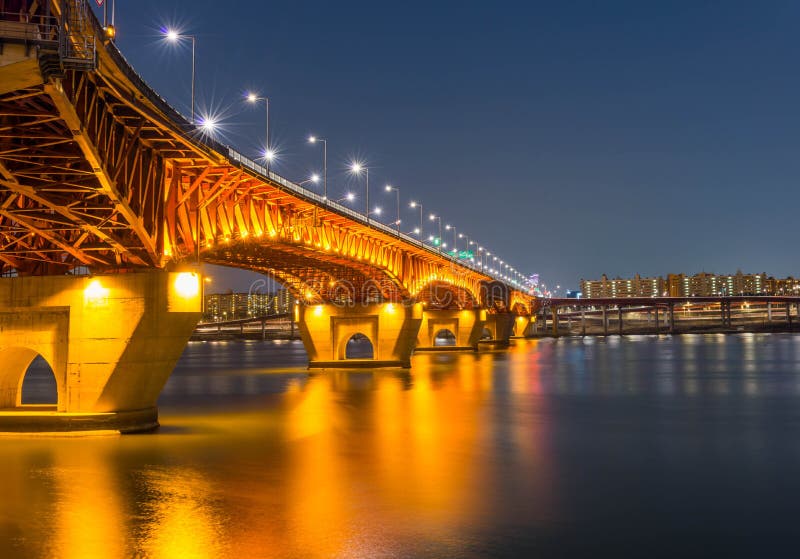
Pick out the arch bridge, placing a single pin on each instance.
(109, 200)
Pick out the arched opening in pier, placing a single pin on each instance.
(359, 347)
(444, 338)
(39, 384)
(26, 379)
(486, 334)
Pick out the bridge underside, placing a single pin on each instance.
(99, 175)
(312, 277)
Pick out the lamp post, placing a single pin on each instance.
(467, 243)
(356, 169)
(455, 243)
(173, 36)
(389, 188)
(253, 99)
(314, 140)
(313, 178)
(438, 218)
(413, 204)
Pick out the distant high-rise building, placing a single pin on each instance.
(787, 286)
(282, 301)
(233, 306)
(619, 287)
(697, 285)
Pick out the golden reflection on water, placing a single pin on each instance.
(338, 465)
(346, 464)
(88, 511)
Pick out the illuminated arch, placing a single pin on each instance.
(443, 295)
(520, 304)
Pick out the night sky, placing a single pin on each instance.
(571, 138)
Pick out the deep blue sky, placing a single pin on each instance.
(571, 138)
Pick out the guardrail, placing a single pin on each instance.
(29, 29)
(326, 203)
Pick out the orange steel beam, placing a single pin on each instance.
(139, 187)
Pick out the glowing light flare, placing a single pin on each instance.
(95, 293)
(187, 284)
(208, 124)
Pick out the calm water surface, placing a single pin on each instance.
(641, 446)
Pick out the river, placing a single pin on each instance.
(576, 447)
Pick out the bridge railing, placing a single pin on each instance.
(194, 134)
(295, 188)
(27, 28)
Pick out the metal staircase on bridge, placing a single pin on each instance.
(62, 43)
(77, 41)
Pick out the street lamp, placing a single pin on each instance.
(455, 243)
(208, 125)
(253, 99)
(173, 37)
(314, 140)
(439, 219)
(419, 231)
(467, 242)
(389, 188)
(356, 169)
(349, 197)
(313, 178)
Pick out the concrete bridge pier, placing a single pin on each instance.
(466, 325)
(522, 326)
(655, 317)
(619, 315)
(110, 341)
(327, 330)
(672, 318)
(605, 320)
(499, 326)
(583, 321)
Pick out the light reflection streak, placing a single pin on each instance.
(338, 464)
